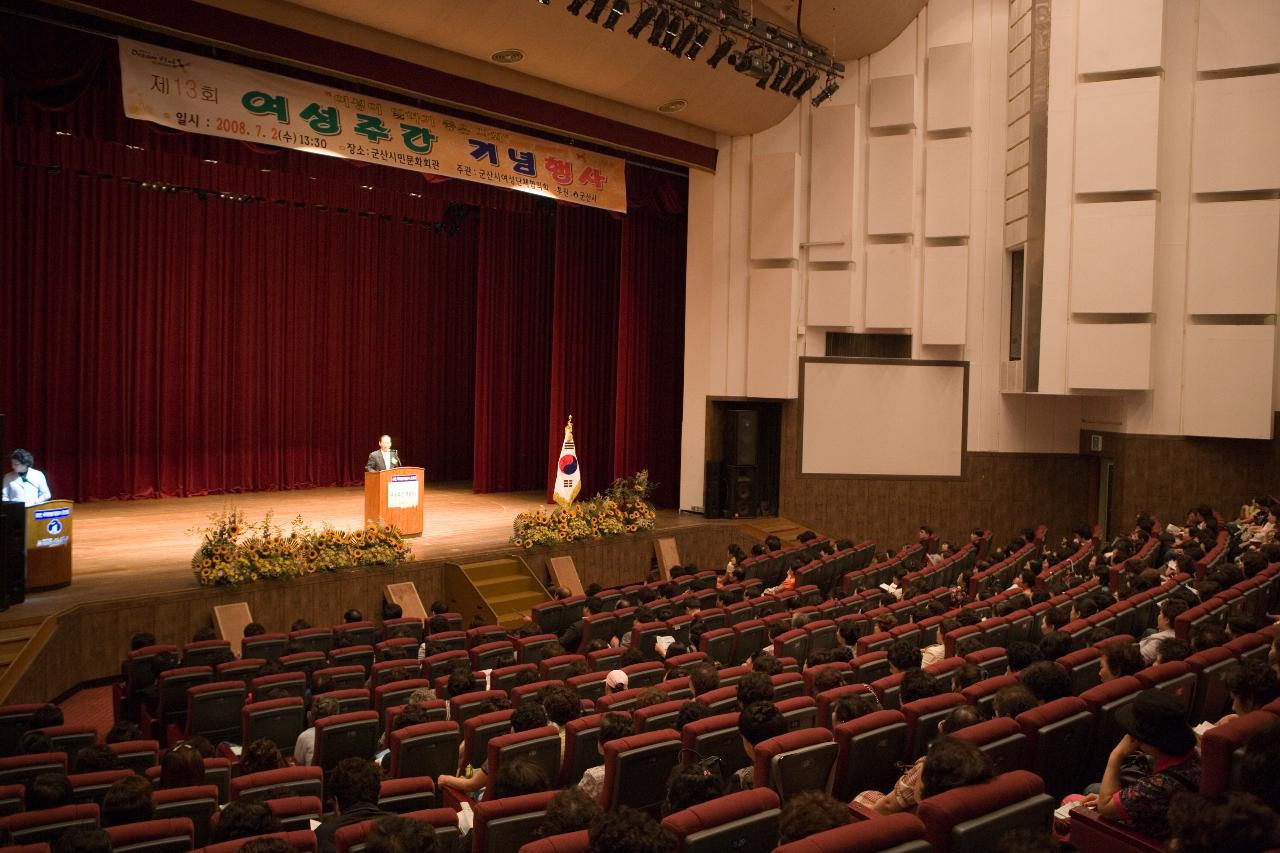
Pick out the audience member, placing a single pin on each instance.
(305, 747)
(625, 830)
(570, 810)
(245, 818)
(354, 784)
(757, 722)
(612, 727)
(128, 800)
(397, 834)
(809, 813)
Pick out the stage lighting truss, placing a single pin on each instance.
(779, 60)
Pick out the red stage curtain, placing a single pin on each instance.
(183, 342)
(514, 290)
(649, 375)
(584, 339)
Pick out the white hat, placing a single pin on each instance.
(616, 680)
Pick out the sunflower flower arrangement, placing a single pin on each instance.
(232, 552)
(623, 508)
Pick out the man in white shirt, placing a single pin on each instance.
(25, 483)
(1169, 610)
(384, 457)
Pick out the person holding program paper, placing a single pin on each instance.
(384, 457)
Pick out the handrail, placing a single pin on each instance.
(29, 654)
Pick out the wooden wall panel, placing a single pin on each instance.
(92, 639)
(1002, 491)
(1166, 475)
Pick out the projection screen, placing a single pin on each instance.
(865, 417)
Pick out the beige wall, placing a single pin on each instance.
(885, 210)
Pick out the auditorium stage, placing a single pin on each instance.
(124, 549)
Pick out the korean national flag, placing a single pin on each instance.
(568, 474)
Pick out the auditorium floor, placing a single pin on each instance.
(125, 548)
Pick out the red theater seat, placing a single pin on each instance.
(297, 781)
(301, 841)
(796, 761)
(868, 752)
(569, 842)
(426, 749)
(1059, 744)
(507, 824)
(167, 835)
(48, 824)
(899, 833)
(968, 818)
(746, 820)
(636, 769)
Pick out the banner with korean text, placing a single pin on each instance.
(202, 95)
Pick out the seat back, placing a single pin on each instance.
(197, 804)
(1175, 678)
(540, 746)
(243, 670)
(298, 781)
(396, 692)
(363, 633)
(504, 825)
(278, 720)
(826, 699)
(479, 730)
(744, 822)
(983, 694)
(407, 795)
(751, 636)
(92, 787)
(869, 750)
(339, 677)
(636, 769)
(1222, 748)
(716, 735)
(1104, 701)
(71, 739)
(311, 640)
(22, 769)
(171, 688)
(164, 835)
(292, 683)
(1059, 742)
(1212, 699)
(589, 686)
(581, 741)
(343, 736)
(48, 824)
(462, 708)
(213, 710)
(205, 652)
(965, 820)
(718, 644)
(898, 833)
(427, 749)
(660, 716)
(559, 667)
(300, 841)
(296, 812)
(493, 655)
(1001, 739)
(137, 755)
(796, 761)
(506, 677)
(923, 716)
(798, 712)
(1083, 665)
(268, 647)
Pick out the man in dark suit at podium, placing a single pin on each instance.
(384, 457)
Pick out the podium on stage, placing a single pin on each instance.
(395, 497)
(49, 545)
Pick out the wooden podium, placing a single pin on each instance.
(49, 545)
(394, 497)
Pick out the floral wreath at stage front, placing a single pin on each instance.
(623, 508)
(234, 552)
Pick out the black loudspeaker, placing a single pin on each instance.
(740, 491)
(742, 436)
(13, 553)
(713, 491)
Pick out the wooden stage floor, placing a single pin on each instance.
(128, 548)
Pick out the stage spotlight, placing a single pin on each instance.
(597, 9)
(686, 38)
(616, 11)
(784, 70)
(796, 77)
(722, 50)
(642, 20)
(753, 64)
(674, 25)
(659, 27)
(763, 82)
(699, 42)
(806, 85)
(575, 6)
(827, 91)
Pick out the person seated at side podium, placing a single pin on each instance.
(384, 457)
(25, 483)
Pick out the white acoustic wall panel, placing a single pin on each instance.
(946, 295)
(1113, 255)
(916, 429)
(949, 82)
(1112, 356)
(893, 101)
(831, 298)
(946, 187)
(890, 180)
(1238, 34)
(1227, 381)
(775, 199)
(950, 22)
(889, 297)
(773, 308)
(898, 56)
(1118, 36)
(1117, 122)
(1237, 134)
(1233, 257)
(831, 190)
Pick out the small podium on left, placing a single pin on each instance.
(49, 545)
(394, 497)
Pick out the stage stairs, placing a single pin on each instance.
(503, 591)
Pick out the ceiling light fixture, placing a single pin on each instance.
(686, 38)
(806, 85)
(722, 50)
(827, 91)
(659, 27)
(796, 77)
(784, 71)
(699, 42)
(575, 6)
(508, 56)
